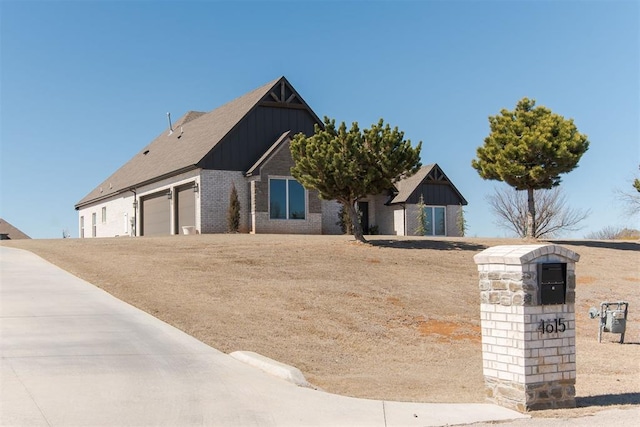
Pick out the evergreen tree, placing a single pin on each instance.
(528, 148)
(233, 213)
(461, 222)
(421, 230)
(347, 165)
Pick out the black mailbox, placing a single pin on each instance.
(552, 279)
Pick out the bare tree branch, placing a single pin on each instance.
(630, 197)
(553, 216)
(614, 233)
(630, 200)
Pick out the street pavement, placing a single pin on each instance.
(73, 355)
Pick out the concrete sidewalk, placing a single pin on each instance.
(73, 355)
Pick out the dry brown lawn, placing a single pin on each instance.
(397, 319)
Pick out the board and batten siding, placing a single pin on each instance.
(255, 134)
(435, 194)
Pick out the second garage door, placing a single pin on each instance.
(186, 209)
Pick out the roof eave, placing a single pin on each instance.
(135, 186)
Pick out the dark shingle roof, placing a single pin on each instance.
(10, 231)
(407, 186)
(194, 136)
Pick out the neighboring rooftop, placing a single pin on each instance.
(9, 232)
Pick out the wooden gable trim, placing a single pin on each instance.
(277, 97)
(282, 105)
(269, 100)
(437, 176)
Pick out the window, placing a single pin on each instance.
(82, 227)
(93, 224)
(104, 214)
(286, 199)
(436, 225)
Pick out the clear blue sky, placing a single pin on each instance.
(86, 84)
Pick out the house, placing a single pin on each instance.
(181, 181)
(9, 232)
(397, 212)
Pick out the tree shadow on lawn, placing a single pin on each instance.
(440, 245)
(622, 246)
(608, 400)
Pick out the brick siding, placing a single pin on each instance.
(215, 188)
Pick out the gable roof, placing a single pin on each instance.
(408, 186)
(194, 135)
(10, 231)
(262, 160)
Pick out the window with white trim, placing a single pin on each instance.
(436, 221)
(104, 214)
(81, 227)
(287, 199)
(94, 227)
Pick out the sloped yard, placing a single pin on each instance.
(396, 320)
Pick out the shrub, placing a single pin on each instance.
(233, 214)
(614, 233)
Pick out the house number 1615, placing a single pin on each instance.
(552, 326)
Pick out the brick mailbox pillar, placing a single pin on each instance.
(527, 309)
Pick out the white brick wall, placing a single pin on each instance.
(214, 200)
(381, 215)
(330, 213)
(452, 220)
(514, 349)
(120, 205)
(521, 362)
(116, 208)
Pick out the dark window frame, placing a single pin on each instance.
(289, 192)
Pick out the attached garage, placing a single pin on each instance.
(186, 207)
(156, 215)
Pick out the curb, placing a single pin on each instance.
(273, 367)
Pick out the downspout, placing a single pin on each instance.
(135, 209)
(404, 218)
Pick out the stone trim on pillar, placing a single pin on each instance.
(528, 348)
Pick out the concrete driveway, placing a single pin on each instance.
(73, 355)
